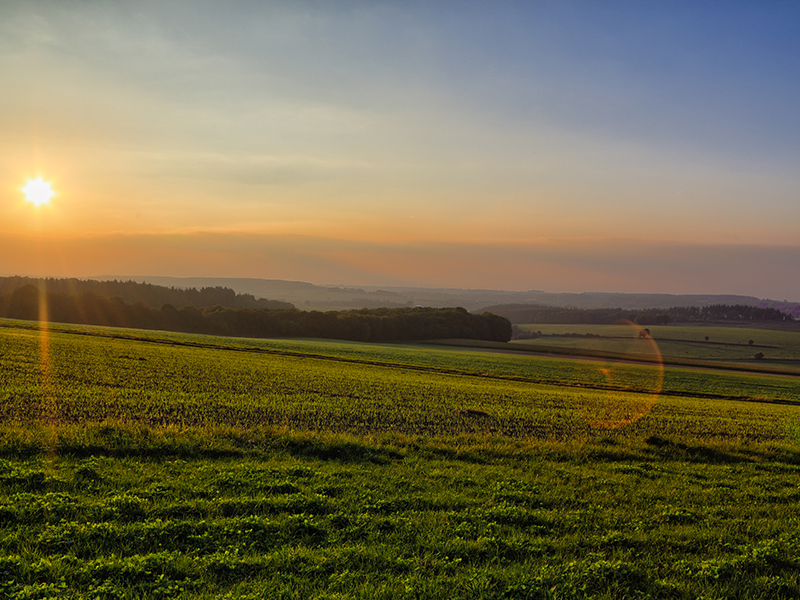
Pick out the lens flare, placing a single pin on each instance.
(48, 411)
(631, 390)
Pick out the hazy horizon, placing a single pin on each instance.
(561, 146)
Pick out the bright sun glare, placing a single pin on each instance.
(38, 191)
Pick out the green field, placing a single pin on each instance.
(141, 464)
(731, 345)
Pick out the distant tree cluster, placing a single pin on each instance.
(518, 333)
(145, 293)
(532, 313)
(790, 308)
(382, 324)
(521, 334)
(728, 312)
(367, 324)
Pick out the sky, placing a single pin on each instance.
(635, 146)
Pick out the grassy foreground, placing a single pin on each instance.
(146, 469)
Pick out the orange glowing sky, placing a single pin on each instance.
(565, 146)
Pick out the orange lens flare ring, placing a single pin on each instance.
(631, 390)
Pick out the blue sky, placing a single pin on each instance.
(310, 139)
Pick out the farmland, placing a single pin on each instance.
(154, 464)
(781, 348)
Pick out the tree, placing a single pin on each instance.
(24, 303)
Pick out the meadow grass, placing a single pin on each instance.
(157, 468)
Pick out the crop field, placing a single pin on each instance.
(682, 341)
(159, 465)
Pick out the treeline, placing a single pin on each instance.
(370, 325)
(790, 308)
(145, 293)
(728, 312)
(531, 313)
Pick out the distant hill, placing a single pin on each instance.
(480, 299)
(791, 308)
(533, 313)
(146, 293)
(303, 295)
(36, 303)
(325, 297)
(637, 301)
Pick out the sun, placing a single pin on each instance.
(38, 191)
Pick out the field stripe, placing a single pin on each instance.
(407, 367)
(618, 356)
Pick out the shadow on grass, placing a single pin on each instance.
(670, 449)
(339, 450)
(122, 439)
(137, 440)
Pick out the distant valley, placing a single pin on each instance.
(329, 297)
